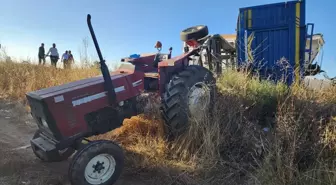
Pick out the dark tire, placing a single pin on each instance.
(56, 156)
(95, 156)
(195, 32)
(176, 109)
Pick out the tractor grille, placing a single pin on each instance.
(38, 112)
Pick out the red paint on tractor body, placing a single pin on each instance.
(69, 103)
(192, 43)
(168, 68)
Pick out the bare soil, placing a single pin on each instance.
(18, 164)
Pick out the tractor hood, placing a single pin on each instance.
(72, 86)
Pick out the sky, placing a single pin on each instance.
(124, 27)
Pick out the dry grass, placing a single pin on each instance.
(18, 79)
(231, 147)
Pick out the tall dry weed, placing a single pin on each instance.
(16, 79)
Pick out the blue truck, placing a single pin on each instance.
(275, 41)
(272, 40)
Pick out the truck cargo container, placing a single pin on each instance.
(271, 40)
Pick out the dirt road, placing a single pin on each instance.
(18, 164)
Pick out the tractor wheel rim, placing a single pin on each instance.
(100, 169)
(199, 101)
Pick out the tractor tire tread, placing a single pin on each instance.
(194, 35)
(174, 108)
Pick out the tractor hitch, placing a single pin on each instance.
(108, 86)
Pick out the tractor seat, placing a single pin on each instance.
(152, 75)
(160, 57)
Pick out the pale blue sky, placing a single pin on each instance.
(124, 27)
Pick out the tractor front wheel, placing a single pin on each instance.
(188, 97)
(99, 162)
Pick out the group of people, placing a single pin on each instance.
(67, 57)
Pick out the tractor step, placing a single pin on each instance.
(43, 144)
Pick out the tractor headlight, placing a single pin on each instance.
(44, 123)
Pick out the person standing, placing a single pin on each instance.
(65, 59)
(54, 56)
(71, 59)
(41, 54)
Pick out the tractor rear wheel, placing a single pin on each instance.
(194, 32)
(55, 156)
(99, 162)
(189, 97)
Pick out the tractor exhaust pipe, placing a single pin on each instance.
(103, 67)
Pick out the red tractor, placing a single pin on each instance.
(68, 114)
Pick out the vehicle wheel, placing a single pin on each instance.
(56, 156)
(195, 32)
(189, 94)
(100, 162)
